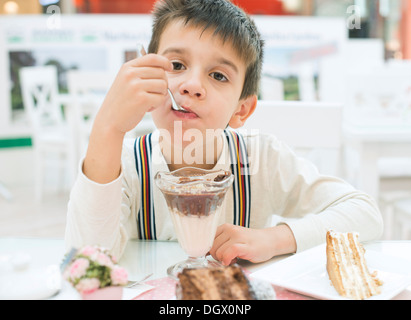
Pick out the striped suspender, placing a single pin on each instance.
(241, 185)
(146, 214)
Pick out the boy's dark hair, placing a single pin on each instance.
(228, 21)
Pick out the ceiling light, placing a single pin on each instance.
(11, 7)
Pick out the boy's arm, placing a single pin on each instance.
(140, 87)
(98, 210)
(103, 158)
(314, 202)
(104, 214)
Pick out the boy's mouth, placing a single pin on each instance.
(188, 114)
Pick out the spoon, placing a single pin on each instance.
(142, 52)
(131, 284)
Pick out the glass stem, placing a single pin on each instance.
(196, 262)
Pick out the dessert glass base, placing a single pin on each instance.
(192, 263)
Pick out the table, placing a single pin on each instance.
(143, 257)
(373, 143)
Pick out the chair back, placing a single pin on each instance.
(87, 91)
(40, 90)
(311, 129)
(379, 96)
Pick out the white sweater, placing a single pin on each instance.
(282, 184)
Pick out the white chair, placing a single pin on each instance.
(5, 193)
(312, 129)
(86, 95)
(51, 140)
(272, 88)
(388, 202)
(380, 97)
(87, 91)
(402, 219)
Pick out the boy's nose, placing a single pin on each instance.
(193, 86)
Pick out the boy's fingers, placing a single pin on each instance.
(225, 253)
(152, 60)
(150, 73)
(231, 253)
(220, 238)
(155, 86)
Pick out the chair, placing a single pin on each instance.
(5, 193)
(86, 94)
(312, 129)
(402, 219)
(380, 97)
(272, 88)
(50, 138)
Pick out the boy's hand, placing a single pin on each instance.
(140, 86)
(256, 245)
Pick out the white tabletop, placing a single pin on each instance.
(144, 257)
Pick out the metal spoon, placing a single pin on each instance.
(131, 284)
(142, 52)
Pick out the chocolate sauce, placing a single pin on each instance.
(201, 204)
(184, 180)
(221, 177)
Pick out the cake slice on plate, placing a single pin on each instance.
(221, 283)
(347, 268)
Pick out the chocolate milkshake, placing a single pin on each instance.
(194, 198)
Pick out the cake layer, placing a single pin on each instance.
(225, 283)
(347, 268)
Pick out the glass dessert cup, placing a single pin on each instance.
(194, 198)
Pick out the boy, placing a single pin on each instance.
(209, 54)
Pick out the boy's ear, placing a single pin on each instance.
(244, 110)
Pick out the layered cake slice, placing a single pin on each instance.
(221, 283)
(347, 268)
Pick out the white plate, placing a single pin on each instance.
(306, 273)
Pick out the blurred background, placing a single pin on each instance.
(385, 19)
(336, 86)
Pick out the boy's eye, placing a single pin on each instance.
(219, 76)
(177, 66)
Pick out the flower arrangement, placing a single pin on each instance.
(93, 268)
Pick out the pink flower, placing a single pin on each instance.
(104, 260)
(88, 285)
(119, 276)
(88, 251)
(78, 268)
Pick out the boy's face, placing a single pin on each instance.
(207, 80)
